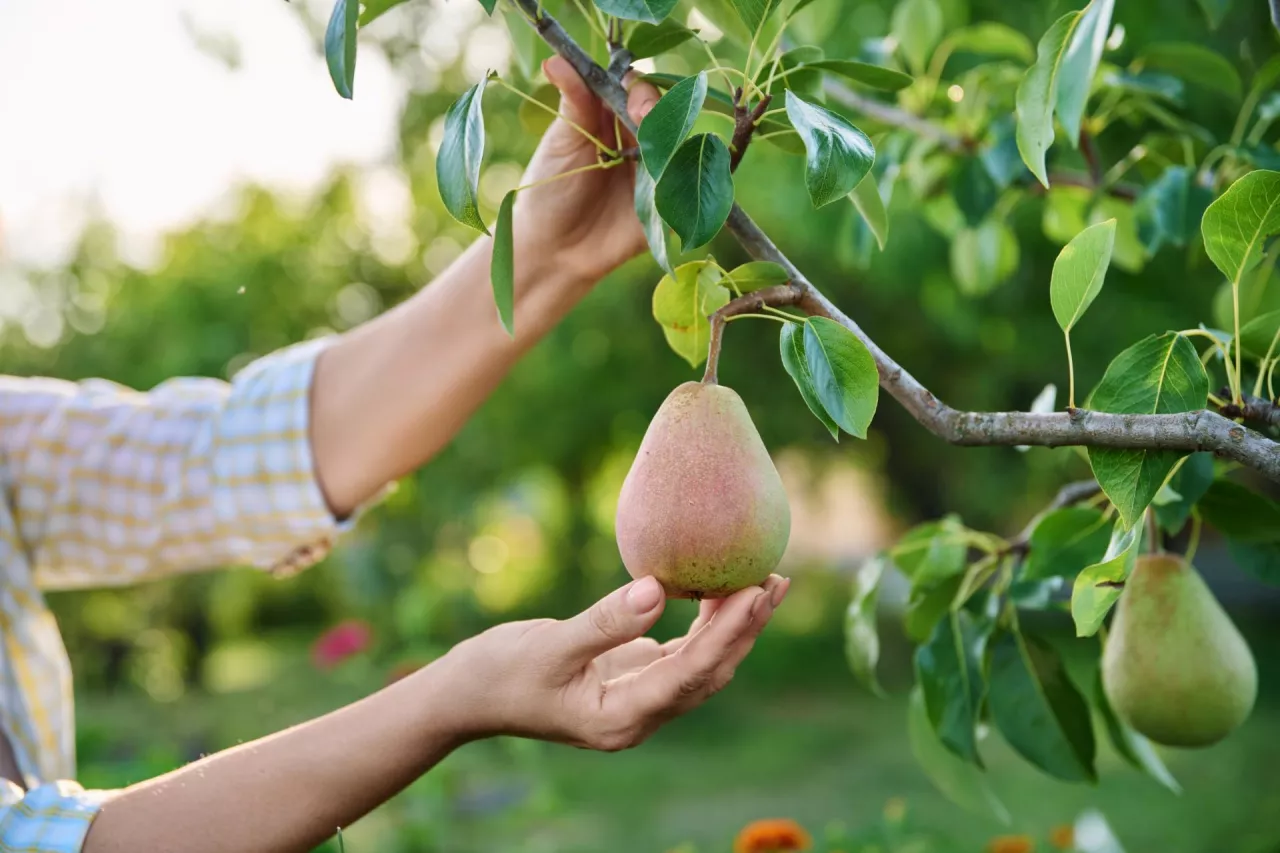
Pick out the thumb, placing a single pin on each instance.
(618, 618)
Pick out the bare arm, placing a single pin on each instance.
(592, 681)
(392, 393)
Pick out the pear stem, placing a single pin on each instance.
(752, 303)
(1154, 543)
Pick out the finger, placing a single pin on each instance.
(618, 618)
(577, 102)
(742, 647)
(669, 683)
(641, 98)
(707, 609)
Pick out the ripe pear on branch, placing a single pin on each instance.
(703, 508)
(1176, 668)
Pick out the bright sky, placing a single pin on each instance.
(113, 105)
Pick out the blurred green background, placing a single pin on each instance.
(515, 519)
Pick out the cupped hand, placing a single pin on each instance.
(595, 680)
(585, 224)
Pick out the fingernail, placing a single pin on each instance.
(644, 595)
(780, 591)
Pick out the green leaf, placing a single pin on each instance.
(458, 162)
(1000, 151)
(873, 76)
(989, 38)
(1240, 221)
(844, 374)
(791, 345)
(754, 12)
(1080, 63)
(647, 40)
(1158, 375)
(340, 46)
(1240, 513)
(665, 127)
(961, 782)
(1191, 482)
(1259, 559)
(374, 9)
(917, 27)
(949, 671)
(983, 257)
(861, 634)
(1258, 335)
(1079, 271)
(1154, 83)
(489, 6)
(1038, 710)
(838, 154)
(1215, 10)
(932, 552)
(1064, 542)
(1196, 64)
(756, 275)
(682, 303)
(927, 605)
(1170, 207)
(1038, 93)
(655, 230)
(974, 189)
(695, 193)
(721, 102)
(806, 81)
(1098, 587)
(649, 11)
(502, 267)
(866, 198)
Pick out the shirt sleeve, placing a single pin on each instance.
(110, 486)
(52, 818)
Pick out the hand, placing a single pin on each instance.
(595, 680)
(585, 224)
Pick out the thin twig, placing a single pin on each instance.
(896, 116)
(744, 127)
(751, 303)
(1200, 430)
(1071, 493)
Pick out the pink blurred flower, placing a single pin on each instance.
(341, 642)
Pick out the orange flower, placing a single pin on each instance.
(772, 836)
(1063, 837)
(1011, 844)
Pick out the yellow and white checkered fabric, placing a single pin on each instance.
(101, 485)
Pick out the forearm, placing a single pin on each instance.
(290, 791)
(393, 392)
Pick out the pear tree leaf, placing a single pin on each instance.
(1190, 483)
(796, 363)
(1236, 226)
(865, 74)
(1080, 63)
(1215, 11)
(961, 782)
(1066, 541)
(1038, 710)
(1261, 335)
(861, 635)
(648, 40)
(1098, 587)
(844, 373)
(682, 304)
(866, 198)
(458, 163)
(756, 275)
(1196, 64)
(1158, 375)
(1170, 207)
(502, 266)
(1079, 271)
(838, 155)
(974, 189)
(754, 12)
(1240, 513)
(374, 9)
(917, 26)
(695, 193)
(794, 72)
(990, 38)
(984, 257)
(489, 6)
(669, 122)
(949, 671)
(655, 230)
(340, 46)
(649, 11)
(932, 552)
(1038, 94)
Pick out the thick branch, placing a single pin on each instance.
(1254, 409)
(1189, 431)
(782, 294)
(895, 116)
(744, 126)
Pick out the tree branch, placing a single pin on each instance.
(896, 116)
(778, 296)
(744, 126)
(1254, 409)
(1188, 431)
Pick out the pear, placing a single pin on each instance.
(1175, 668)
(703, 508)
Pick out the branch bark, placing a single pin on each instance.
(777, 297)
(1189, 431)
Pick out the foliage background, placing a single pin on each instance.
(515, 518)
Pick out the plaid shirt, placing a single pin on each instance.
(100, 485)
